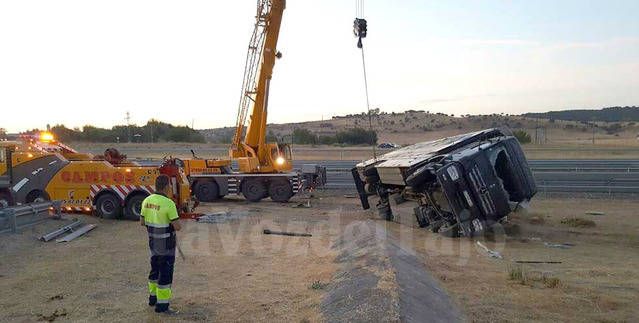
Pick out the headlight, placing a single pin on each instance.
(280, 161)
(452, 172)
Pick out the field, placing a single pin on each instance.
(233, 272)
(550, 139)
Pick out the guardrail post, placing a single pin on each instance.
(11, 216)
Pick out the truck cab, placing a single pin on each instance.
(462, 185)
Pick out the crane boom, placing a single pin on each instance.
(258, 72)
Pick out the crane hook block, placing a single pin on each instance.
(360, 29)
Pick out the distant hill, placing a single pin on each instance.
(613, 114)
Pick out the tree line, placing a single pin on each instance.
(612, 114)
(354, 136)
(153, 131)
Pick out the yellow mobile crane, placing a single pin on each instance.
(252, 152)
(265, 169)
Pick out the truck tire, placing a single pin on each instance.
(108, 206)
(280, 190)
(254, 190)
(37, 196)
(450, 231)
(133, 207)
(207, 191)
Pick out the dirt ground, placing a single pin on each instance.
(233, 272)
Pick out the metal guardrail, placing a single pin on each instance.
(16, 218)
(566, 176)
(552, 176)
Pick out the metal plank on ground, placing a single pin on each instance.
(52, 235)
(77, 233)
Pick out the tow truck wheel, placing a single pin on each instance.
(37, 196)
(108, 206)
(133, 208)
(254, 190)
(280, 190)
(207, 191)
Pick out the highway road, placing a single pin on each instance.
(565, 176)
(552, 176)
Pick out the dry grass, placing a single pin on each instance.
(518, 273)
(597, 279)
(578, 223)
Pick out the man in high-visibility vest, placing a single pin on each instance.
(159, 215)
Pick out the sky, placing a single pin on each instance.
(78, 62)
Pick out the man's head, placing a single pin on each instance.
(162, 185)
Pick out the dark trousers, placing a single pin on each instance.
(161, 275)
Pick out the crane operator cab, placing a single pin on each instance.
(281, 157)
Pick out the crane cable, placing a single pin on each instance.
(360, 29)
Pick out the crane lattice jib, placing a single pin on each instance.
(251, 69)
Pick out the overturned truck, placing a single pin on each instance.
(462, 185)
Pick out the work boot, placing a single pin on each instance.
(168, 311)
(152, 300)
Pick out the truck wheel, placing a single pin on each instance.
(207, 191)
(254, 190)
(133, 207)
(280, 190)
(450, 231)
(37, 196)
(108, 206)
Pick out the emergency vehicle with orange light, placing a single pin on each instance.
(109, 185)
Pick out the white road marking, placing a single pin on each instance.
(53, 162)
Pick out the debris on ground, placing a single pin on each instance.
(491, 253)
(56, 297)
(53, 234)
(559, 245)
(77, 233)
(351, 196)
(536, 220)
(290, 234)
(50, 318)
(303, 205)
(220, 217)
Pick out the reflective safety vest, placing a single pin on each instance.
(158, 211)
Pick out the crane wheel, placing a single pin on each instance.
(280, 190)
(254, 190)
(207, 191)
(108, 206)
(133, 208)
